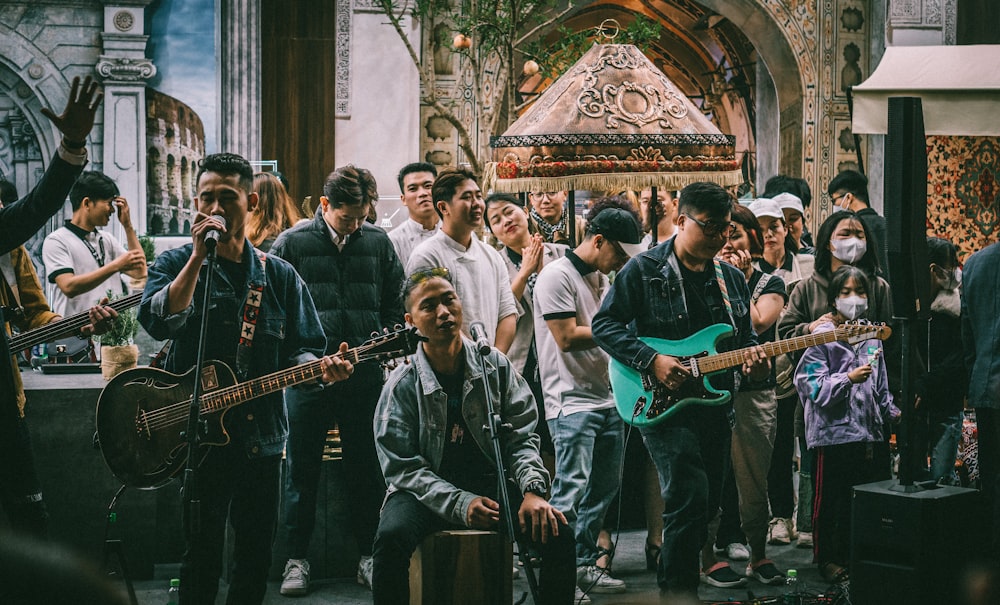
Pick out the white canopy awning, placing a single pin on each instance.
(959, 88)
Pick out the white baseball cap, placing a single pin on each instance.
(789, 201)
(764, 206)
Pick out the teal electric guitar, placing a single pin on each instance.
(644, 401)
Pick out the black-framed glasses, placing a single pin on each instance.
(713, 228)
(836, 198)
(423, 275)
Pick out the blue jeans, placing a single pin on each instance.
(690, 451)
(589, 450)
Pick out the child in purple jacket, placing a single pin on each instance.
(845, 392)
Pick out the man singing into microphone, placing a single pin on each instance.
(437, 458)
(261, 320)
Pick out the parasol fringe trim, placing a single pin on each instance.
(612, 182)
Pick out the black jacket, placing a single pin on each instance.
(356, 291)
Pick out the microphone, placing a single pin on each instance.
(478, 331)
(212, 237)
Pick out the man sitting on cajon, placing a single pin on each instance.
(438, 460)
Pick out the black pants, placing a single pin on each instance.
(405, 522)
(244, 491)
(780, 486)
(20, 490)
(310, 415)
(988, 424)
(838, 468)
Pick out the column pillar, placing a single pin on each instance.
(239, 72)
(123, 68)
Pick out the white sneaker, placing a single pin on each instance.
(594, 579)
(365, 572)
(580, 597)
(295, 580)
(737, 552)
(777, 532)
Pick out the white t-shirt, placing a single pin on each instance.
(408, 236)
(478, 274)
(574, 381)
(66, 251)
(521, 346)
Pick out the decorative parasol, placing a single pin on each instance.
(612, 122)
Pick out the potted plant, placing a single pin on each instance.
(118, 349)
(149, 249)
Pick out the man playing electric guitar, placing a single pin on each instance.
(261, 320)
(672, 292)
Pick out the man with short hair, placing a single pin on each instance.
(586, 429)
(549, 215)
(354, 277)
(438, 459)
(672, 292)
(260, 320)
(849, 191)
(83, 262)
(415, 183)
(478, 271)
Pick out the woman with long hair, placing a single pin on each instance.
(274, 213)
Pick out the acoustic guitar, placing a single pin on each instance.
(142, 413)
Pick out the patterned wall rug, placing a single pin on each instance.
(963, 195)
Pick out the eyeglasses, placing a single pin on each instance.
(426, 274)
(713, 228)
(836, 198)
(540, 194)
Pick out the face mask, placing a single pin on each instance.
(949, 280)
(849, 250)
(851, 307)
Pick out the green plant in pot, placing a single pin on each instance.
(118, 349)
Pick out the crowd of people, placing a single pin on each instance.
(557, 300)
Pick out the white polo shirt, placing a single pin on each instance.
(478, 274)
(408, 236)
(70, 249)
(573, 381)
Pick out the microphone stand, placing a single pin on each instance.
(494, 428)
(191, 503)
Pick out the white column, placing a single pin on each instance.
(123, 68)
(239, 75)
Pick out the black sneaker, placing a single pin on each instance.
(723, 576)
(766, 573)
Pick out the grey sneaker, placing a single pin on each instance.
(295, 580)
(597, 580)
(580, 597)
(365, 572)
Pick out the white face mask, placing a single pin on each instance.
(851, 307)
(849, 250)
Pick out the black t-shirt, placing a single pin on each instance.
(705, 307)
(463, 464)
(225, 313)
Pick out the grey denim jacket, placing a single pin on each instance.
(411, 420)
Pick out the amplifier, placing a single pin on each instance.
(910, 547)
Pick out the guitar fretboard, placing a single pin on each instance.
(68, 326)
(730, 359)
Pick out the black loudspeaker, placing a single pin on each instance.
(910, 547)
(906, 209)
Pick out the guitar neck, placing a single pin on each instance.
(731, 359)
(67, 326)
(265, 385)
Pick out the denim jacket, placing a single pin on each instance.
(838, 411)
(412, 417)
(288, 333)
(981, 326)
(647, 299)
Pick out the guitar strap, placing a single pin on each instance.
(725, 291)
(251, 314)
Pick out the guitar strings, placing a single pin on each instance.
(167, 416)
(68, 325)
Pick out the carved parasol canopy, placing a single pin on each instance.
(612, 122)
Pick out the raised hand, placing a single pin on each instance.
(77, 119)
